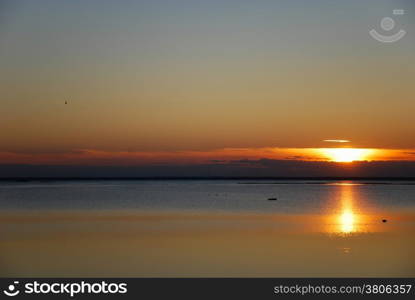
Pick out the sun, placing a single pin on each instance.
(346, 154)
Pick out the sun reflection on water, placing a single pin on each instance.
(347, 221)
(347, 218)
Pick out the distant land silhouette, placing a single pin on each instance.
(263, 168)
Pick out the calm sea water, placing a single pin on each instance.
(207, 228)
(206, 196)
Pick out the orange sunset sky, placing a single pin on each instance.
(151, 83)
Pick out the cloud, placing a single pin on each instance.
(218, 161)
(336, 141)
(246, 156)
(300, 157)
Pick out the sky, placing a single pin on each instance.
(203, 82)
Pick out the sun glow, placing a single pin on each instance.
(346, 154)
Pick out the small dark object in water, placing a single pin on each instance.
(384, 220)
(272, 199)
